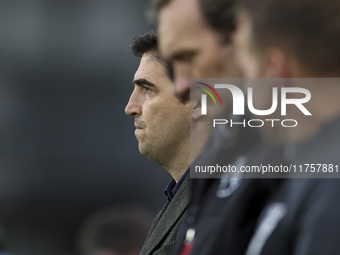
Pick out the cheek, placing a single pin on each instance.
(182, 76)
(246, 65)
(209, 65)
(249, 64)
(156, 113)
(149, 113)
(200, 66)
(253, 68)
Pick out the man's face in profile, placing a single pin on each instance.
(191, 45)
(256, 64)
(161, 120)
(245, 54)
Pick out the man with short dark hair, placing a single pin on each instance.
(302, 32)
(195, 36)
(162, 124)
(298, 39)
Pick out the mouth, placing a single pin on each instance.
(139, 124)
(138, 131)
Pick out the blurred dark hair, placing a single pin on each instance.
(148, 42)
(155, 7)
(309, 30)
(219, 14)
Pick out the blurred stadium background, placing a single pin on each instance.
(67, 148)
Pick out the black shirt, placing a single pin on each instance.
(173, 187)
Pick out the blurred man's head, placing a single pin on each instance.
(280, 38)
(195, 38)
(292, 39)
(162, 121)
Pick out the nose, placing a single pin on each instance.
(181, 81)
(134, 106)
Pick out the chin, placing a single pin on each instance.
(144, 149)
(150, 153)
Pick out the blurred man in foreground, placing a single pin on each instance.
(298, 39)
(195, 36)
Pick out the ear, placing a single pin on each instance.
(196, 111)
(277, 64)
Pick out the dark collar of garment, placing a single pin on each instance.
(172, 187)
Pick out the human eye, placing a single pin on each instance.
(147, 90)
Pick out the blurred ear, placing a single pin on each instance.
(277, 64)
(196, 111)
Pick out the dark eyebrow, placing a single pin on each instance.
(183, 54)
(142, 82)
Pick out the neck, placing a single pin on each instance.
(188, 153)
(178, 164)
